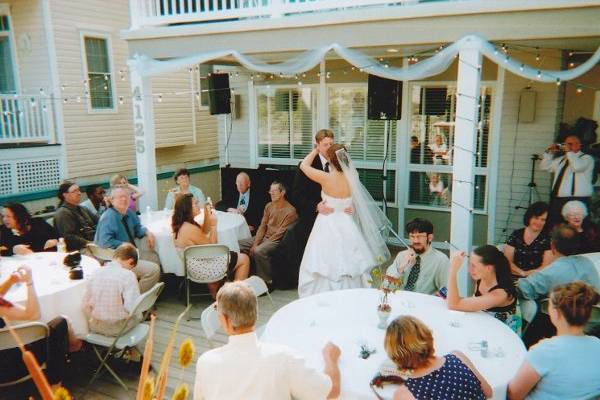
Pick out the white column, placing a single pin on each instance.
(465, 136)
(144, 136)
(322, 102)
(252, 125)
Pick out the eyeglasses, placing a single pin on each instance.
(76, 190)
(413, 236)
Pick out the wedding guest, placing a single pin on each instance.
(21, 234)
(111, 294)
(439, 150)
(565, 366)
(279, 214)
(528, 248)
(409, 344)
(436, 190)
(97, 202)
(182, 178)
(52, 350)
(415, 152)
(246, 202)
(495, 291)
(187, 232)
(575, 214)
(421, 268)
(73, 222)
(134, 191)
(120, 224)
(246, 368)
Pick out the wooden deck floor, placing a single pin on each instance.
(169, 307)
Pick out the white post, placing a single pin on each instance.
(135, 13)
(322, 102)
(144, 136)
(465, 136)
(252, 125)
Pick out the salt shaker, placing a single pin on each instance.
(484, 349)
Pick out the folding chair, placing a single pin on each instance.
(210, 322)
(124, 340)
(28, 332)
(205, 263)
(529, 309)
(259, 287)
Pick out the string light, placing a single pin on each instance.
(579, 89)
(121, 100)
(159, 98)
(557, 81)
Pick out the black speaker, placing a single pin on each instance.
(433, 101)
(219, 94)
(385, 98)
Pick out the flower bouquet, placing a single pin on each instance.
(386, 284)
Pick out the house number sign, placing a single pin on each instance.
(138, 121)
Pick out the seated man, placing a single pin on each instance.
(246, 202)
(279, 214)
(111, 293)
(247, 369)
(421, 268)
(73, 222)
(96, 201)
(119, 224)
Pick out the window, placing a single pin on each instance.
(433, 111)
(203, 74)
(7, 72)
(99, 75)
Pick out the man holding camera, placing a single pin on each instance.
(572, 175)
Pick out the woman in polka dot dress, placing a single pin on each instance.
(409, 344)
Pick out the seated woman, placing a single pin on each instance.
(575, 214)
(495, 291)
(528, 248)
(565, 366)
(11, 363)
(409, 344)
(182, 178)
(134, 191)
(21, 234)
(187, 232)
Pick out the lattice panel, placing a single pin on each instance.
(5, 179)
(36, 175)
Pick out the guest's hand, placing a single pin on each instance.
(331, 352)
(324, 209)
(252, 250)
(409, 259)
(151, 239)
(22, 249)
(553, 148)
(457, 261)
(50, 243)
(24, 273)
(349, 210)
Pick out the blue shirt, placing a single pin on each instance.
(196, 192)
(563, 270)
(110, 231)
(568, 367)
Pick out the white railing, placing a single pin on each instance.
(26, 119)
(165, 12)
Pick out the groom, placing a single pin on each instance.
(306, 197)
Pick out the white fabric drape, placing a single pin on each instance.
(306, 61)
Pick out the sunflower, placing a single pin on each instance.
(181, 393)
(186, 352)
(61, 394)
(148, 390)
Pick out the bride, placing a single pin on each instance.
(342, 248)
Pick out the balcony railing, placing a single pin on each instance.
(165, 12)
(26, 119)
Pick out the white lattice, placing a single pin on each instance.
(36, 175)
(5, 179)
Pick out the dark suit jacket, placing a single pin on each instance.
(306, 194)
(254, 210)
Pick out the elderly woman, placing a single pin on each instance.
(528, 248)
(182, 178)
(565, 366)
(21, 234)
(409, 344)
(134, 191)
(575, 214)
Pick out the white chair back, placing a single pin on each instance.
(147, 299)
(210, 322)
(259, 287)
(206, 263)
(528, 309)
(28, 332)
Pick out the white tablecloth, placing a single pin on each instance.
(349, 318)
(58, 295)
(230, 228)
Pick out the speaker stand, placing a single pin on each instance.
(386, 135)
(227, 136)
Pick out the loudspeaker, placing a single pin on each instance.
(385, 98)
(433, 101)
(219, 94)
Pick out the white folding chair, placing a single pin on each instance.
(210, 322)
(259, 287)
(124, 340)
(205, 263)
(100, 253)
(529, 309)
(28, 332)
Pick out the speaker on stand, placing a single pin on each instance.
(220, 103)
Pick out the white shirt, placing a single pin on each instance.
(433, 274)
(581, 166)
(246, 197)
(323, 161)
(247, 369)
(90, 206)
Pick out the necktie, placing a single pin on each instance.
(413, 275)
(243, 201)
(326, 168)
(131, 238)
(559, 179)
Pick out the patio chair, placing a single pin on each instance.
(594, 321)
(259, 287)
(29, 332)
(205, 263)
(124, 340)
(529, 309)
(100, 253)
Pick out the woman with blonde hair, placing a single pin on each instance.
(409, 344)
(135, 192)
(565, 366)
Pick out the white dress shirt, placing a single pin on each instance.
(323, 161)
(90, 206)
(581, 166)
(246, 197)
(247, 369)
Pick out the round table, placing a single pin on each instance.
(230, 228)
(349, 319)
(57, 294)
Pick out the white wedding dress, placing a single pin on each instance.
(336, 255)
